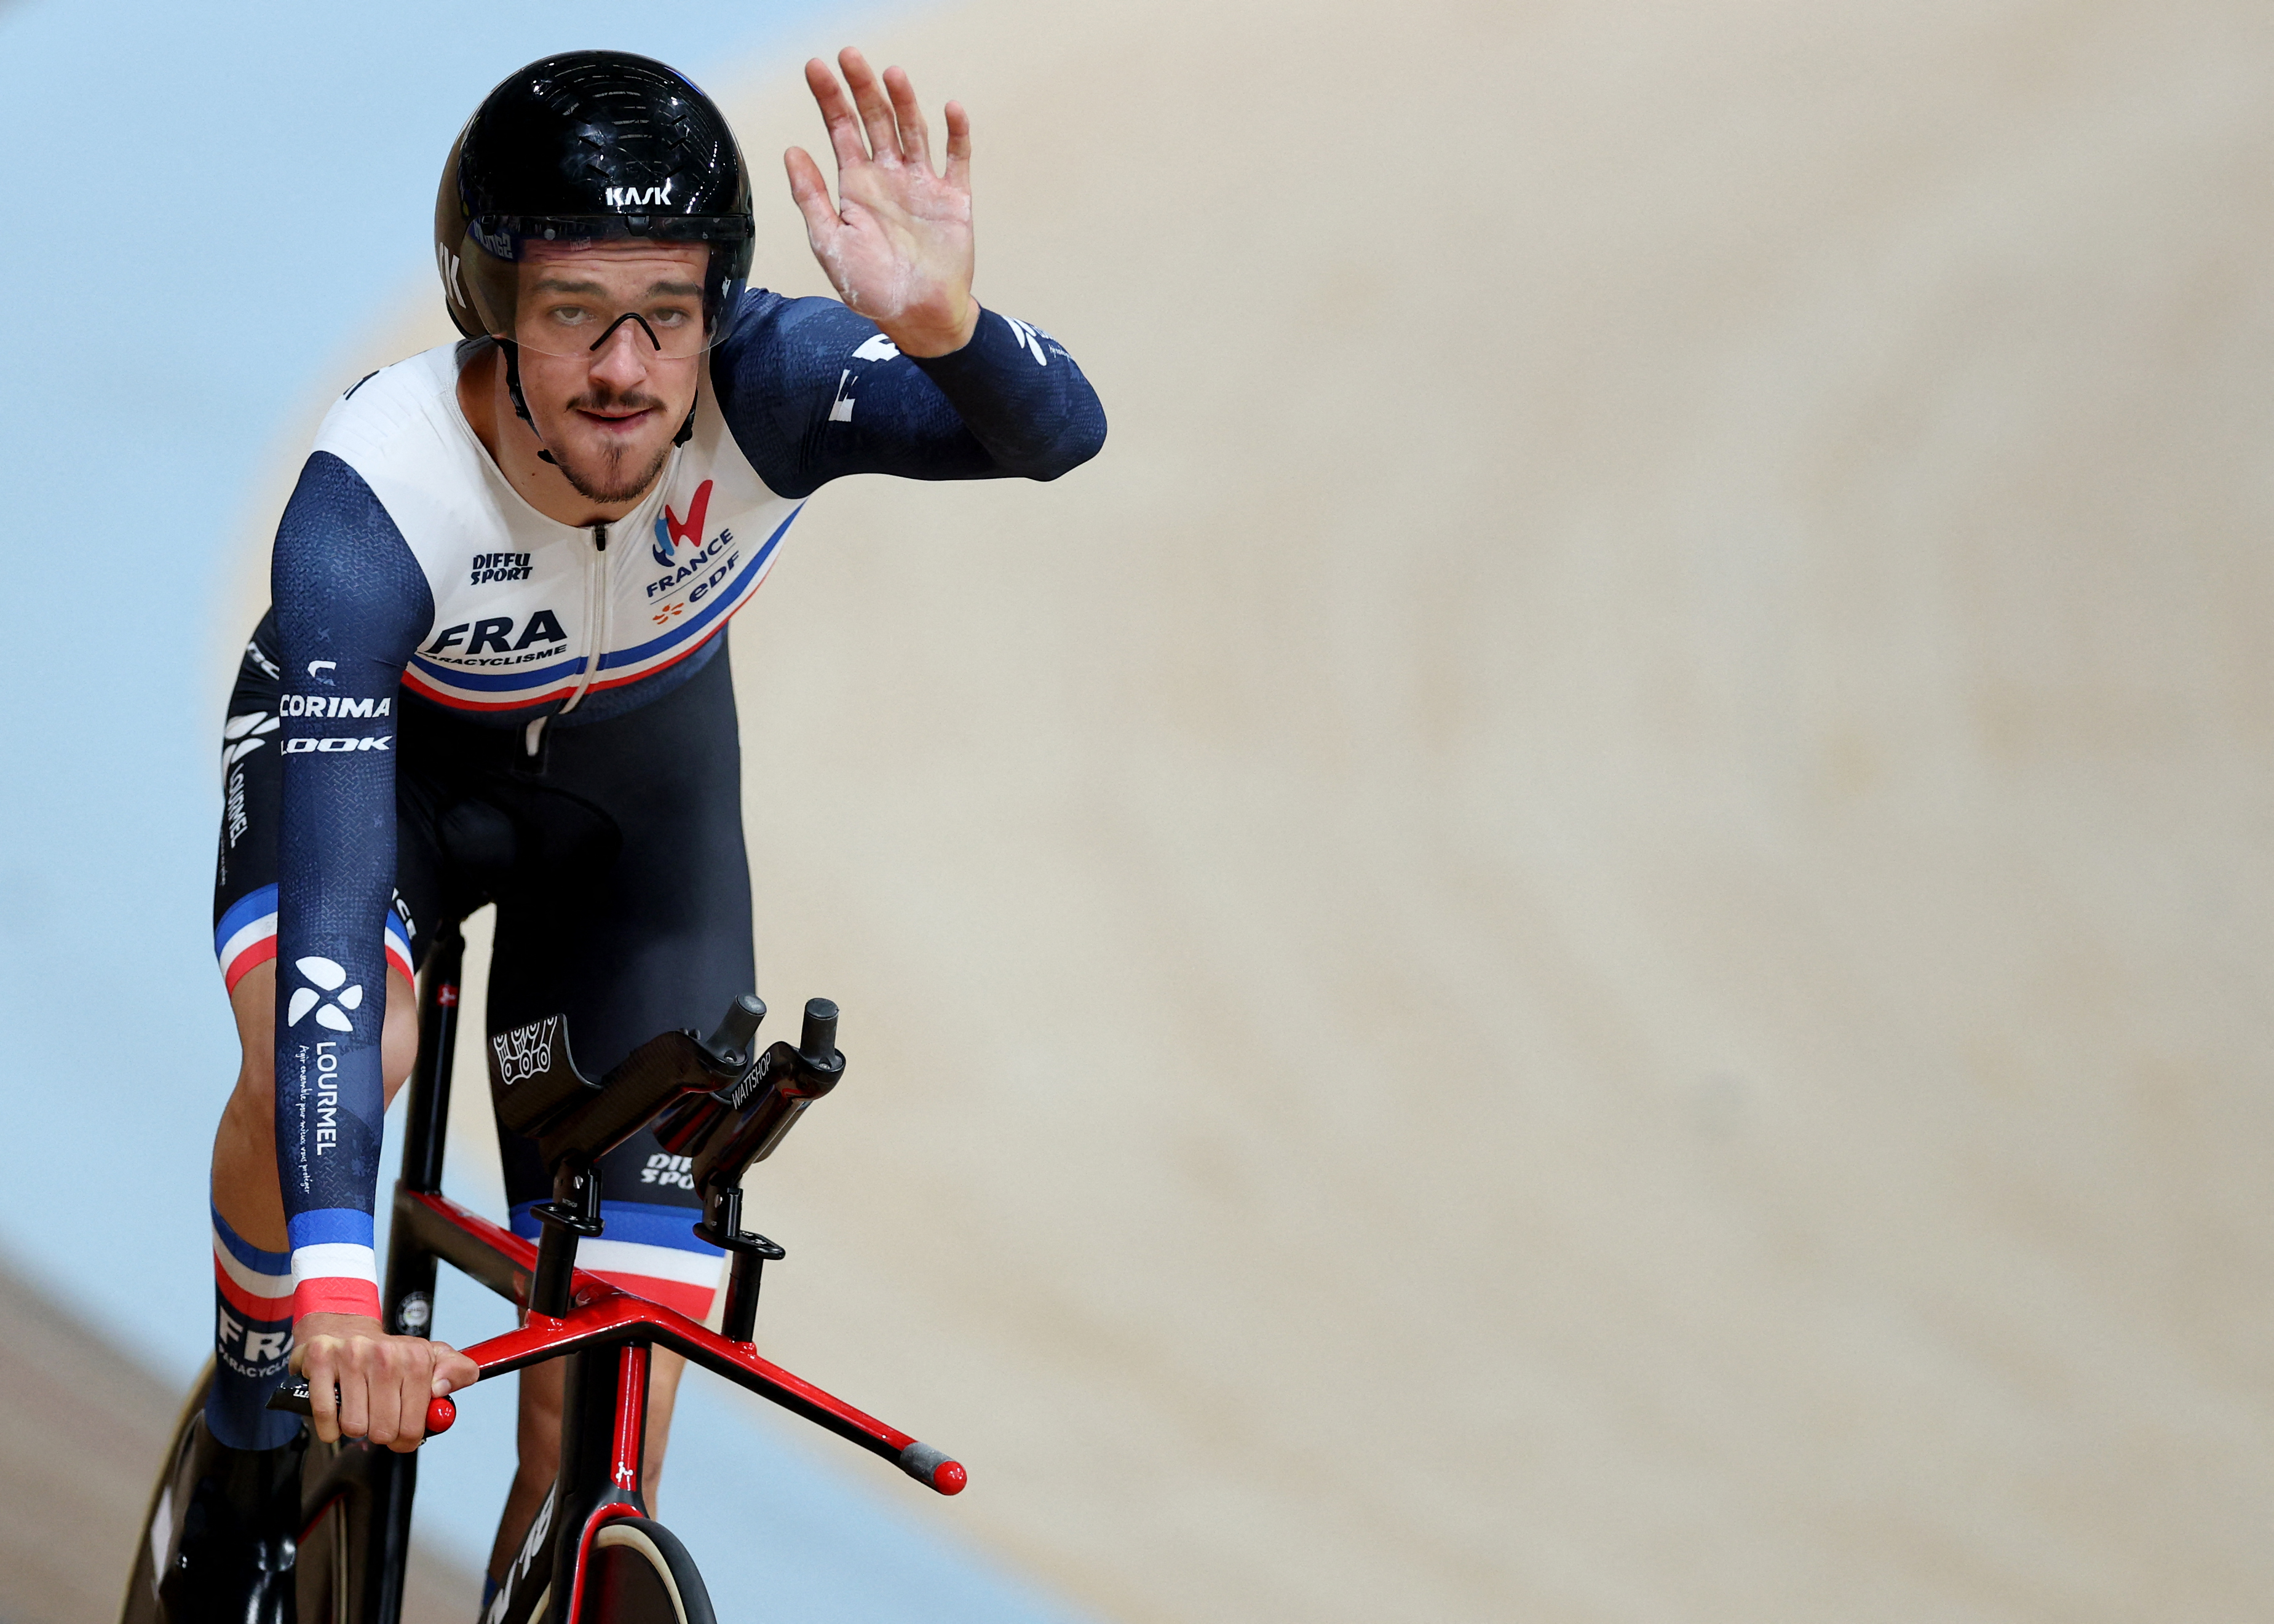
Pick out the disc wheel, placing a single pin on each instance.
(158, 1522)
(640, 1573)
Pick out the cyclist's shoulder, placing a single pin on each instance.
(403, 421)
(778, 334)
(395, 445)
(762, 315)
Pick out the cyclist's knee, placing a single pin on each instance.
(252, 1001)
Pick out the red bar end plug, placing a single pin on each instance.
(933, 1469)
(442, 1415)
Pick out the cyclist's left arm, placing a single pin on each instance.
(351, 604)
(813, 391)
(908, 375)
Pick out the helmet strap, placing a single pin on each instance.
(520, 402)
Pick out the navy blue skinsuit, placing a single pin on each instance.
(453, 701)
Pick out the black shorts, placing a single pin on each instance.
(615, 858)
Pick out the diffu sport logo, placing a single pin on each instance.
(672, 1172)
(327, 977)
(670, 534)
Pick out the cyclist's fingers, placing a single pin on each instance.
(355, 1402)
(958, 173)
(384, 1395)
(318, 1363)
(876, 107)
(837, 112)
(453, 1370)
(411, 1396)
(915, 138)
(386, 1400)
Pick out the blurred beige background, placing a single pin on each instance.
(1586, 936)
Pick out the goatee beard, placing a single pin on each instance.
(608, 483)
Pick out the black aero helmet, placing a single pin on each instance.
(588, 147)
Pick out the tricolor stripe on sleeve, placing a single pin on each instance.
(247, 936)
(398, 946)
(256, 1284)
(335, 1269)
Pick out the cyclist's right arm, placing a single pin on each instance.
(351, 603)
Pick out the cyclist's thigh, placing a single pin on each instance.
(633, 935)
(649, 929)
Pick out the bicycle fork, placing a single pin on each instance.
(603, 1449)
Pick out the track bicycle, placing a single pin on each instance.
(591, 1554)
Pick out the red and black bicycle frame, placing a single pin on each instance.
(604, 1333)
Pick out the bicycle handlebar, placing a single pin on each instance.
(688, 1088)
(605, 1315)
(731, 1038)
(293, 1396)
(717, 1097)
(675, 1078)
(816, 1040)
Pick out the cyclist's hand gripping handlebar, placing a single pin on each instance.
(441, 1414)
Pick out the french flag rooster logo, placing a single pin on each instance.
(670, 534)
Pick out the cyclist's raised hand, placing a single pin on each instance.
(897, 243)
(382, 1382)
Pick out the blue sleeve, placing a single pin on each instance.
(813, 392)
(350, 603)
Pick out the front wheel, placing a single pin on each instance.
(640, 1573)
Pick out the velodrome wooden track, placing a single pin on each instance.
(1588, 937)
(85, 1428)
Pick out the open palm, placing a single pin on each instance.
(896, 243)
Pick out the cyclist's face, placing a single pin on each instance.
(608, 415)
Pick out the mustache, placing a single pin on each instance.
(609, 400)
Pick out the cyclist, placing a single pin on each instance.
(493, 670)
